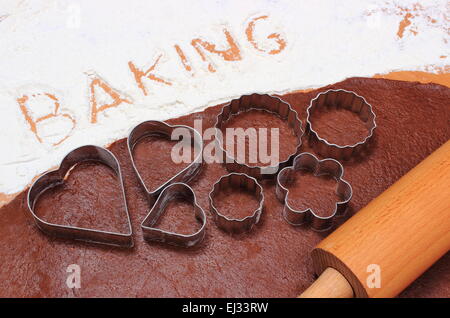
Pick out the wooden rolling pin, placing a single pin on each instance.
(395, 238)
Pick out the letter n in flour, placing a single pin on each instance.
(231, 54)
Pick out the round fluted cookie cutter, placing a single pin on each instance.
(339, 98)
(309, 162)
(56, 177)
(237, 180)
(270, 104)
(163, 130)
(173, 191)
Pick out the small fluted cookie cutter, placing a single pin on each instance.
(236, 181)
(161, 129)
(339, 98)
(173, 191)
(56, 177)
(309, 162)
(266, 103)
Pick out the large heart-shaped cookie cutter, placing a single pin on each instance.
(171, 192)
(56, 177)
(159, 128)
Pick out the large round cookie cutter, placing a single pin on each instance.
(236, 181)
(163, 130)
(270, 104)
(339, 98)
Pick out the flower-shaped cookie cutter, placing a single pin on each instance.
(270, 104)
(161, 129)
(169, 193)
(309, 162)
(56, 177)
(339, 98)
(236, 181)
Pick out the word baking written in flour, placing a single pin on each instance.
(272, 44)
(231, 308)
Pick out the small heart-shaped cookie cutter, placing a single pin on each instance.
(339, 98)
(173, 191)
(159, 128)
(268, 103)
(56, 177)
(236, 181)
(308, 162)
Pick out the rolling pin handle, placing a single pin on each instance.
(330, 284)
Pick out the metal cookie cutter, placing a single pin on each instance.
(269, 104)
(339, 98)
(307, 161)
(173, 191)
(163, 130)
(243, 181)
(56, 177)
